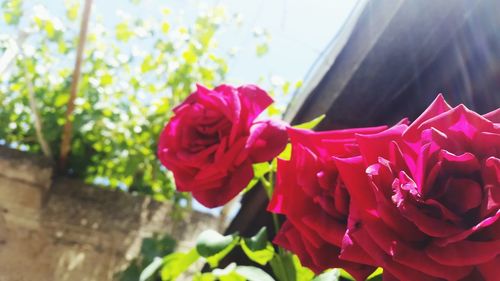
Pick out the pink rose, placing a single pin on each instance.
(214, 138)
(313, 197)
(429, 206)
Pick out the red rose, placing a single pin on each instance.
(213, 139)
(315, 201)
(429, 206)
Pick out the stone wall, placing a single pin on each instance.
(61, 229)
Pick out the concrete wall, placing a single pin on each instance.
(61, 229)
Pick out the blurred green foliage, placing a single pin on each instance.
(151, 250)
(211, 247)
(133, 74)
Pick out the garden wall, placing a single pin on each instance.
(54, 228)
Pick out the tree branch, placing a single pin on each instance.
(36, 116)
(68, 126)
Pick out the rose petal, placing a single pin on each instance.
(465, 252)
(377, 145)
(279, 201)
(405, 254)
(224, 99)
(399, 271)
(289, 198)
(459, 120)
(382, 188)
(462, 195)
(352, 172)
(332, 231)
(312, 238)
(219, 196)
(493, 116)
(437, 107)
(491, 200)
(487, 144)
(464, 164)
(267, 139)
(465, 234)
(253, 100)
(429, 225)
(289, 238)
(351, 251)
(320, 258)
(490, 270)
(326, 143)
(491, 172)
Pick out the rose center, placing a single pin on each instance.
(462, 195)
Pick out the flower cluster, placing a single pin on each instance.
(421, 199)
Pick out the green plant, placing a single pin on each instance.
(126, 93)
(133, 74)
(151, 250)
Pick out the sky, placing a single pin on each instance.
(300, 30)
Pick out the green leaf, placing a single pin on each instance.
(210, 242)
(257, 248)
(260, 169)
(311, 124)
(344, 274)
(12, 11)
(214, 260)
(176, 263)
(329, 275)
(376, 275)
(106, 79)
(286, 87)
(204, 277)
(147, 64)
(214, 246)
(258, 241)
(61, 99)
(165, 27)
(286, 154)
(49, 28)
(132, 273)
(262, 49)
(233, 276)
(250, 185)
(283, 267)
(151, 269)
(241, 273)
(252, 273)
(189, 56)
(123, 32)
(72, 9)
(228, 273)
(157, 246)
(303, 273)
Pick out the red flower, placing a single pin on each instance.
(429, 206)
(316, 203)
(213, 139)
